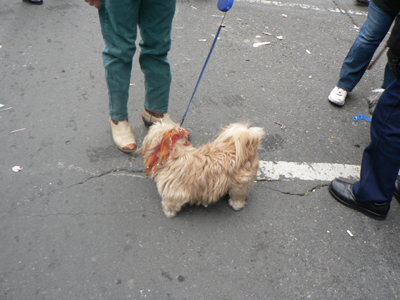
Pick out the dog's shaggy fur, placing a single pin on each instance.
(205, 174)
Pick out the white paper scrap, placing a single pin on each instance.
(16, 169)
(255, 45)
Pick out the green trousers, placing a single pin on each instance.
(119, 21)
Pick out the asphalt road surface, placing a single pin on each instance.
(82, 221)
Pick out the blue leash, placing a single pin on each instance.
(223, 5)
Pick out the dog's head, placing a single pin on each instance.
(153, 138)
(159, 143)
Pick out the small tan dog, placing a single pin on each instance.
(188, 175)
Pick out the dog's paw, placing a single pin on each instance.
(170, 213)
(237, 204)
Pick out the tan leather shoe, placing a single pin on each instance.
(149, 118)
(123, 136)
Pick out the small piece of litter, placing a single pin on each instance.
(280, 124)
(132, 84)
(1, 46)
(203, 40)
(349, 232)
(257, 36)
(255, 45)
(2, 105)
(213, 35)
(308, 52)
(279, 37)
(310, 77)
(267, 33)
(284, 16)
(5, 109)
(18, 130)
(16, 169)
(361, 117)
(193, 7)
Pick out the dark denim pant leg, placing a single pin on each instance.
(381, 159)
(388, 77)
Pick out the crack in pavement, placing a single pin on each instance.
(93, 176)
(87, 214)
(113, 172)
(345, 12)
(132, 173)
(312, 190)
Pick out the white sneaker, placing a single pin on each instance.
(337, 96)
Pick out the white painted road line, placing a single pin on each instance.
(283, 170)
(306, 6)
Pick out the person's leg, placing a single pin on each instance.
(155, 23)
(371, 35)
(388, 77)
(381, 159)
(119, 20)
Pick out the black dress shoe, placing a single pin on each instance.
(362, 2)
(343, 192)
(37, 2)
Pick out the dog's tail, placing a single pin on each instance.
(246, 140)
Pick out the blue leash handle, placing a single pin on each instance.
(204, 67)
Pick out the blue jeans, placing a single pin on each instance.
(381, 158)
(370, 36)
